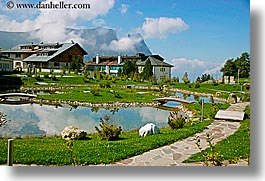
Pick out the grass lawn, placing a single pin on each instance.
(104, 95)
(53, 150)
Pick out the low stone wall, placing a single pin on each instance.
(199, 94)
(101, 105)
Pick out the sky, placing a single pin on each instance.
(196, 36)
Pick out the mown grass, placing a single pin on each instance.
(104, 95)
(236, 146)
(209, 110)
(225, 89)
(53, 151)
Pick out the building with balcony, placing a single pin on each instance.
(50, 55)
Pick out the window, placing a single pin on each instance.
(18, 55)
(162, 69)
(116, 67)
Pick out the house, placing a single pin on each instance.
(50, 55)
(161, 69)
(111, 64)
(18, 53)
(6, 64)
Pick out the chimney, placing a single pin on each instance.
(119, 59)
(97, 59)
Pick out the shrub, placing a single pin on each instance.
(215, 83)
(38, 78)
(197, 85)
(3, 120)
(113, 79)
(116, 94)
(212, 158)
(245, 97)
(102, 85)
(215, 108)
(108, 84)
(46, 76)
(105, 85)
(53, 77)
(70, 147)
(247, 86)
(177, 119)
(95, 91)
(108, 132)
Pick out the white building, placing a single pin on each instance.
(111, 64)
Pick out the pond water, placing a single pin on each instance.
(34, 119)
(193, 98)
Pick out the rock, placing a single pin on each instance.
(148, 129)
(72, 132)
(218, 94)
(232, 98)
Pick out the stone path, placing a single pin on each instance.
(176, 153)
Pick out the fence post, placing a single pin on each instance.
(10, 152)
(202, 112)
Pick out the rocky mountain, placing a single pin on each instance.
(100, 41)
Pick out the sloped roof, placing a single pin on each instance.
(154, 62)
(5, 58)
(64, 47)
(110, 63)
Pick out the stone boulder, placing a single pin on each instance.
(148, 129)
(72, 132)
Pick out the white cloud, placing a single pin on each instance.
(98, 22)
(1, 4)
(195, 68)
(53, 22)
(123, 44)
(124, 8)
(140, 13)
(161, 27)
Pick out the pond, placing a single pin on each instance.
(34, 119)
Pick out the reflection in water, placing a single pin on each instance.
(194, 98)
(35, 119)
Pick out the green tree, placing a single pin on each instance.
(185, 78)
(119, 72)
(243, 65)
(206, 77)
(229, 68)
(74, 65)
(148, 70)
(198, 80)
(175, 79)
(129, 67)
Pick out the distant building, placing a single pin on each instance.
(51, 55)
(6, 64)
(111, 64)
